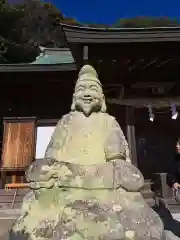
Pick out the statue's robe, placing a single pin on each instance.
(87, 140)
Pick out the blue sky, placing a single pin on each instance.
(109, 11)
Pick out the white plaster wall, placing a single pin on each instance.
(43, 137)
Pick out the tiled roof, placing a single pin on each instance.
(54, 56)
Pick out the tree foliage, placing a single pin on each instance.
(23, 27)
(147, 22)
(40, 24)
(13, 46)
(26, 26)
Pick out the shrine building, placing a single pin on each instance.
(139, 69)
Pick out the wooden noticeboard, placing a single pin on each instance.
(18, 142)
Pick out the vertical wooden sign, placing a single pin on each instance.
(18, 142)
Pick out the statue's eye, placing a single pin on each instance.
(94, 89)
(80, 89)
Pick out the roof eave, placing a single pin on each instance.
(76, 34)
(37, 67)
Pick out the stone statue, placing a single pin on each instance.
(84, 188)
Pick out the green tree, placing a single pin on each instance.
(25, 26)
(12, 46)
(70, 21)
(41, 24)
(147, 22)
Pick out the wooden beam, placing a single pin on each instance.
(46, 122)
(133, 51)
(162, 63)
(78, 54)
(152, 62)
(19, 119)
(144, 102)
(137, 64)
(152, 84)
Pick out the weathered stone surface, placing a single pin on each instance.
(86, 187)
(105, 214)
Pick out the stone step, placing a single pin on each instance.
(147, 184)
(10, 192)
(7, 196)
(9, 199)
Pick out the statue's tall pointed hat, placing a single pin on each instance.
(86, 73)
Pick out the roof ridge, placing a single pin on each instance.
(53, 49)
(118, 28)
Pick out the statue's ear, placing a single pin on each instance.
(103, 107)
(73, 108)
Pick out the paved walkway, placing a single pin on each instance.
(7, 217)
(5, 225)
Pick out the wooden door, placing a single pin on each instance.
(18, 143)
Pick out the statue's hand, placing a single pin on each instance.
(38, 185)
(39, 170)
(48, 172)
(128, 176)
(33, 171)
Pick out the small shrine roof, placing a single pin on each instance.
(50, 59)
(54, 56)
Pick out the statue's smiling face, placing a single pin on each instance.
(88, 97)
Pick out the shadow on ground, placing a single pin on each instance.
(170, 224)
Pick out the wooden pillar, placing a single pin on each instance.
(3, 178)
(78, 54)
(85, 55)
(130, 133)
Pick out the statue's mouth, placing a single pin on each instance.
(87, 100)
